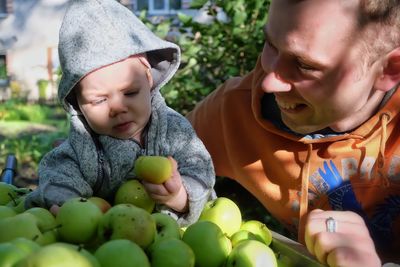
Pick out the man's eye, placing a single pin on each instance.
(268, 42)
(305, 67)
(98, 101)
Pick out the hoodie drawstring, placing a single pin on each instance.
(384, 118)
(305, 173)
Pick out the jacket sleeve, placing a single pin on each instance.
(60, 178)
(194, 165)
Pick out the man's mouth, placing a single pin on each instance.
(290, 106)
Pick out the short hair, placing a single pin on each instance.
(379, 21)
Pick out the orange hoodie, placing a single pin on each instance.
(291, 175)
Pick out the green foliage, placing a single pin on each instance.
(30, 146)
(16, 110)
(212, 53)
(28, 149)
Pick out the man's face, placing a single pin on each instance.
(315, 65)
(115, 99)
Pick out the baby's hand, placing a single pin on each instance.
(171, 193)
(54, 209)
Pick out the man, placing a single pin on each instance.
(311, 131)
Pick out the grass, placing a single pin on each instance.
(28, 131)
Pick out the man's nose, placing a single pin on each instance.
(274, 67)
(273, 83)
(116, 105)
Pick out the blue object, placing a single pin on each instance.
(8, 173)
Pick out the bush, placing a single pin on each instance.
(212, 53)
(15, 110)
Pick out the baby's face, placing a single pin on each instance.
(115, 99)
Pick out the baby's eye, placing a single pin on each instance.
(131, 93)
(98, 101)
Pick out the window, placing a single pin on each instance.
(3, 8)
(158, 7)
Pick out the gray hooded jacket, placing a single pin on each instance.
(96, 33)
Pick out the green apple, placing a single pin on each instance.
(78, 220)
(121, 253)
(54, 255)
(126, 221)
(20, 225)
(7, 193)
(242, 235)
(46, 223)
(103, 204)
(167, 227)
(17, 204)
(6, 212)
(26, 245)
(172, 252)
(10, 254)
(251, 253)
(83, 252)
(284, 261)
(209, 244)
(133, 192)
(153, 169)
(259, 229)
(223, 212)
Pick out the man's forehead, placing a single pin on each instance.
(311, 30)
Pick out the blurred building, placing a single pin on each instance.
(29, 39)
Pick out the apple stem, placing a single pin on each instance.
(35, 237)
(83, 199)
(80, 247)
(12, 198)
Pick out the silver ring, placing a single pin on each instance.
(331, 225)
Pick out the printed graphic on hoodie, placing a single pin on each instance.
(342, 197)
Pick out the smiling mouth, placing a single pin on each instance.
(290, 107)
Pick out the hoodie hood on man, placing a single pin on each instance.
(97, 33)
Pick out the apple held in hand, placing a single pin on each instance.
(126, 221)
(121, 253)
(153, 169)
(133, 192)
(259, 229)
(78, 220)
(223, 212)
(172, 252)
(251, 253)
(210, 245)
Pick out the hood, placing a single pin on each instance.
(96, 33)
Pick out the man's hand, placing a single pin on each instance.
(350, 245)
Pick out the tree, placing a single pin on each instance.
(212, 53)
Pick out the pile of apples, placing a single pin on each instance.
(93, 233)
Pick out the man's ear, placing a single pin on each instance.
(149, 77)
(390, 76)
